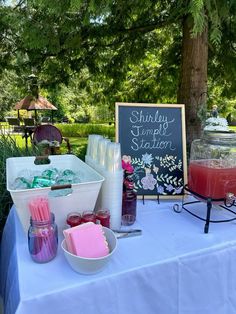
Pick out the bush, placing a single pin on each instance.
(84, 129)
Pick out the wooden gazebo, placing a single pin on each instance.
(34, 103)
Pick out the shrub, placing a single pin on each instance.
(84, 129)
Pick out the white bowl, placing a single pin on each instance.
(88, 266)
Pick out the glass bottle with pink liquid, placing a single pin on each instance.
(212, 167)
(129, 201)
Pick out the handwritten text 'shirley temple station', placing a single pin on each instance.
(150, 131)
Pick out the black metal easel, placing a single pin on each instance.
(158, 199)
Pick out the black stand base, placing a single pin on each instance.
(209, 202)
(158, 199)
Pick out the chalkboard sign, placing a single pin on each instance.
(153, 141)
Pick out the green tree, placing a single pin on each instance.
(204, 20)
(10, 92)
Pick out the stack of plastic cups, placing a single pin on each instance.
(112, 188)
(92, 150)
(105, 157)
(102, 150)
(100, 167)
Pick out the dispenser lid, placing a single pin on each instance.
(226, 137)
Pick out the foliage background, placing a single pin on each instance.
(89, 54)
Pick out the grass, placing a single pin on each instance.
(78, 144)
(20, 141)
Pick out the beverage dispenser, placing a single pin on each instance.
(212, 167)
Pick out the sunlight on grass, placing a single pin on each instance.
(21, 141)
(74, 141)
(78, 145)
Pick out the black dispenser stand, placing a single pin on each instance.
(209, 202)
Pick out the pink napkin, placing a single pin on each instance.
(86, 240)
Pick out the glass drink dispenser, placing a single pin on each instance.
(212, 167)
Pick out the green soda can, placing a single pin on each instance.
(40, 182)
(51, 173)
(68, 172)
(21, 183)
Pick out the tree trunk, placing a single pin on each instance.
(193, 79)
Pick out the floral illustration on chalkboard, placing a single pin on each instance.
(148, 181)
(162, 174)
(147, 159)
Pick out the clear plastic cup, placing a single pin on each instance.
(113, 157)
(94, 146)
(102, 148)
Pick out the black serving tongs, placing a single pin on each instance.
(127, 233)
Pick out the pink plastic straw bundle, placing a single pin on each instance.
(43, 248)
(39, 209)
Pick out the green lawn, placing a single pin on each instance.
(78, 145)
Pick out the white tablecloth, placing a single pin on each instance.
(172, 268)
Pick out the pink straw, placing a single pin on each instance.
(39, 209)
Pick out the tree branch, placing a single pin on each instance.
(19, 4)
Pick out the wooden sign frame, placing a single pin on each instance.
(158, 172)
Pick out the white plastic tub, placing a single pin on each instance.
(83, 197)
